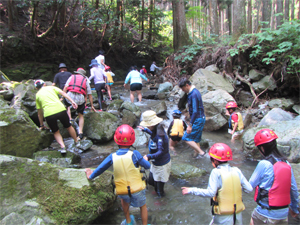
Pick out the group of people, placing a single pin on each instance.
(276, 189)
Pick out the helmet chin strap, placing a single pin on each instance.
(262, 151)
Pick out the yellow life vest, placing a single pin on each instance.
(177, 128)
(109, 77)
(240, 122)
(229, 198)
(127, 177)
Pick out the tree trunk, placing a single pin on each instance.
(63, 15)
(180, 33)
(239, 19)
(230, 18)
(266, 13)
(298, 10)
(150, 22)
(293, 9)
(272, 16)
(33, 18)
(143, 16)
(214, 20)
(279, 9)
(287, 10)
(10, 14)
(249, 15)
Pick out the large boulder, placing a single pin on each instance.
(100, 127)
(131, 113)
(283, 103)
(160, 108)
(165, 87)
(206, 81)
(39, 191)
(212, 68)
(214, 103)
(6, 90)
(185, 171)
(296, 108)
(288, 141)
(274, 116)
(255, 75)
(267, 82)
(19, 135)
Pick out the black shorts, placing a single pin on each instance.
(80, 109)
(152, 72)
(175, 138)
(136, 87)
(62, 117)
(99, 86)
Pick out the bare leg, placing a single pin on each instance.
(132, 96)
(172, 145)
(125, 207)
(195, 146)
(59, 138)
(139, 93)
(144, 214)
(81, 122)
(251, 222)
(108, 91)
(72, 133)
(69, 112)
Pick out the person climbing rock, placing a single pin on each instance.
(109, 81)
(224, 187)
(158, 151)
(61, 78)
(235, 121)
(101, 59)
(130, 184)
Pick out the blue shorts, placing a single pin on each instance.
(196, 133)
(137, 199)
(109, 84)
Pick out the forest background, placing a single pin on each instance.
(235, 35)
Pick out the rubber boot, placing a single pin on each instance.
(160, 189)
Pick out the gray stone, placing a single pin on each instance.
(267, 82)
(283, 103)
(212, 68)
(274, 116)
(13, 219)
(244, 98)
(206, 81)
(36, 221)
(296, 108)
(255, 75)
(160, 108)
(141, 138)
(185, 171)
(165, 87)
(129, 118)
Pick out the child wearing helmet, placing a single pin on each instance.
(133, 192)
(225, 187)
(276, 190)
(236, 125)
(176, 130)
(158, 151)
(109, 80)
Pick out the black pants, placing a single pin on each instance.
(158, 185)
(98, 88)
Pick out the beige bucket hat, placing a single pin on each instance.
(150, 119)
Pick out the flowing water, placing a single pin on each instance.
(175, 208)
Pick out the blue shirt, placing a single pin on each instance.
(195, 104)
(134, 77)
(158, 148)
(137, 159)
(263, 176)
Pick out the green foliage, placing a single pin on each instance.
(274, 46)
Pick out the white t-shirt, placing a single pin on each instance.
(99, 58)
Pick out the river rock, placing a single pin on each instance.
(131, 107)
(55, 157)
(288, 139)
(100, 126)
(283, 103)
(244, 98)
(185, 171)
(267, 82)
(274, 116)
(115, 105)
(6, 90)
(160, 108)
(141, 138)
(214, 103)
(19, 136)
(54, 194)
(212, 68)
(297, 118)
(206, 81)
(165, 87)
(129, 118)
(296, 108)
(149, 94)
(255, 75)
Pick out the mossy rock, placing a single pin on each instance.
(185, 171)
(54, 194)
(115, 105)
(55, 157)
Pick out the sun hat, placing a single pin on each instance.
(150, 119)
(80, 71)
(62, 65)
(94, 62)
(39, 83)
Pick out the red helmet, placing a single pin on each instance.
(264, 136)
(220, 152)
(231, 105)
(106, 68)
(124, 135)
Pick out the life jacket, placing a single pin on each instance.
(109, 77)
(240, 121)
(77, 84)
(128, 179)
(177, 128)
(228, 200)
(278, 196)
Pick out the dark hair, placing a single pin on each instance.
(271, 148)
(132, 68)
(184, 82)
(218, 162)
(160, 130)
(102, 52)
(232, 109)
(176, 115)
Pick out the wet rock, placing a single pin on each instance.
(149, 94)
(274, 116)
(185, 171)
(255, 75)
(296, 108)
(141, 138)
(160, 108)
(131, 107)
(165, 87)
(36, 221)
(115, 105)
(212, 68)
(129, 118)
(283, 103)
(85, 145)
(206, 81)
(244, 98)
(54, 194)
(267, 82)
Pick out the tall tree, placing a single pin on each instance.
(292, 9)
(213, 16)
(143, 16)
(180, 33)
(229, 15)
(286, 10)
(249, 17)
(279, 12)
(10, 14)
(151, 7)
(266, 13)
(239, 19)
